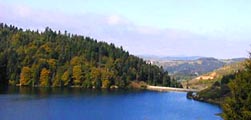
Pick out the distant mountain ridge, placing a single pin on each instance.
(206, 80)
(153, 57)
(184, 68)
(214, 86)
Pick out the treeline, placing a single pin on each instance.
(232, 92)
(53, 58)
(238, 105)
(217, 92)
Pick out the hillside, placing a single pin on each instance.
(190, 67)
(231, 91)
(168, 58)
(55, 59)
(206, 80)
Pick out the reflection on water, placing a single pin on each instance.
(45, 91)
(75, 103)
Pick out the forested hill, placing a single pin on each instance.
(50, 58)
(232, 92)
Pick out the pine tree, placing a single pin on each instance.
(238, 106)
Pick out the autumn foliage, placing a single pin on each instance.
(57, 59)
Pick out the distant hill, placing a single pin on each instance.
(206, 80)
(153, 57)
(191, 67)
(214, 86)
(228, 87)
(182, 58)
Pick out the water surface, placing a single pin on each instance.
(82, 104)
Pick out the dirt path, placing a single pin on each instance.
(162, 89)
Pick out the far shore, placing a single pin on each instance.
(148, 87)
(164, 89)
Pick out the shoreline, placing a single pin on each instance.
(166, 89)
(191, 95)
(147, 87)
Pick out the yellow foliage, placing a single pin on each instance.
(95, 73)
(104, 74)
(77, 74)
(25, 76)
(106, 83)
(66, 78)
(45, 77)
(75, 61)
(52, 62)
(46, 47)
(56, 82)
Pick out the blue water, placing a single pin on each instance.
(80, 104)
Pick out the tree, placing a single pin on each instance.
(45, 78)
(35, 74)
(57, 81)
(75, 61)
(49, 58)
(25, 76)
(238, 106)
(66, 78)
(77, 75)
(166, 80)
(87, 83)
(106, 83)
(96, 77)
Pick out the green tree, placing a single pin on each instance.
(102, 64)
(35, 74)
(57, 81)
(166, 80)
(87, 83)
(96, 77)
(238, 106)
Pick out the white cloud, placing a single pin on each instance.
(148, 30)
(22, 11)
(118, 30)
(113, 20)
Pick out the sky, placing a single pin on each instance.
(211, 28)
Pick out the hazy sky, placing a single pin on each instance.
(216, 28)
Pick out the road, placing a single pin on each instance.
(162, 89)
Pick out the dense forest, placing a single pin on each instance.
(217, 92)
(55, 59)
(232, 92)
(238, 105)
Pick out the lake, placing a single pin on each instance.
(84, 104)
